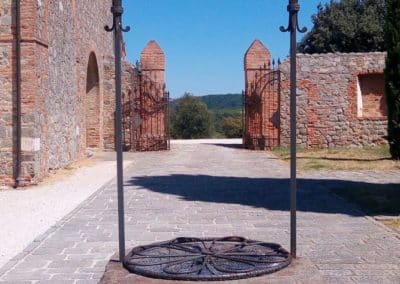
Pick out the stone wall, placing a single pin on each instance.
(62, 100)
(6, 91)
(34, 88)
(77, 55)
(58, 38)
(340, 100)
(334, 109)
(108, 116)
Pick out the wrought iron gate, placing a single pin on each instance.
(146, 116)
(262, 110)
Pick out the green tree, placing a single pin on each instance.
(232, 127)
(346, 26)
(392, 75)
(219, 116)
(190, 119)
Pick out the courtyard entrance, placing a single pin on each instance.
(262, 109)
(262, 99)
(146, 115)
(145, 101)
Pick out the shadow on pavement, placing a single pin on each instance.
(234, 146)
(269, 193)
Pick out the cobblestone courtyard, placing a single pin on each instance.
(214, 190)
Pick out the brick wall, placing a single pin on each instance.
(329, 100)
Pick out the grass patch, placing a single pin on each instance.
(378, 199)
(393, 224)
(367, 158)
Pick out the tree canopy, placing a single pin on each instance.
(346, 26)
(190, 119)
(233, 127)
(392, 75)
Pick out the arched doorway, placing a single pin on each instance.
(92, 103)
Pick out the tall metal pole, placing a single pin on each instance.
(117, 11)
(293, 27)
(18, 130)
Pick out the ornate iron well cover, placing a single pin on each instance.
(207, 259)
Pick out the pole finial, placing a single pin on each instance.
(117, 10)
(293, 9)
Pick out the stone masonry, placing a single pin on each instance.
(64, 49)
(67, 85)
(6, 91)
(340, 99)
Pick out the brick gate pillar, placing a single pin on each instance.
(151, 96)
(152, 61)
(257, 67)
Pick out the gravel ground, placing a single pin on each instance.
(26, 214)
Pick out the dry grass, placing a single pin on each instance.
(394, 224)
(368, 158)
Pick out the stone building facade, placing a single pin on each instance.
(67, 86)
(66, 62)
(340, 99)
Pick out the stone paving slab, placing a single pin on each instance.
(216, 190)
(27, 213)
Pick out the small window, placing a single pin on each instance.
(371, 96)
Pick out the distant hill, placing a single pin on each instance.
(222, 106)
(218, 102)
(230, 101)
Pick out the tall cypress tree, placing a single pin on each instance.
(392, 75)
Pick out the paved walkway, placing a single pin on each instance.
(216, 190)
(27, 213)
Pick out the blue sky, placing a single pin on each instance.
(205, 40)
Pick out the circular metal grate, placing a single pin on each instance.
(207, 259)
